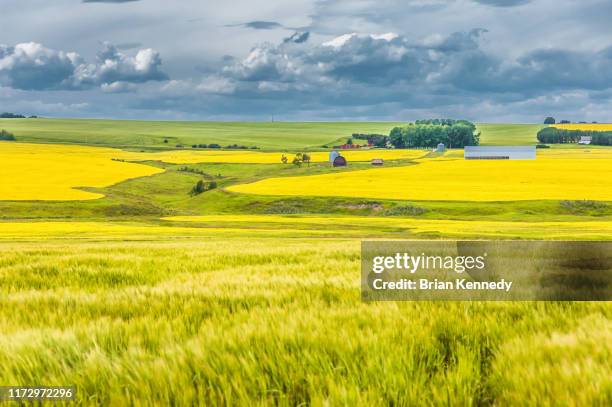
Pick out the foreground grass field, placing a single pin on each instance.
(243, 321)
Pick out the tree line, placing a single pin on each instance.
(430, 133)
(552, 135)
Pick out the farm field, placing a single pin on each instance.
(190, 227)
(508, 134)
(50, 172)
(252, 157)
(239, 295)
(584, 126)
(554, 176)
(266, 135)
(226, 321)
(149, 134)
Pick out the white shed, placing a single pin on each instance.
(500, 153)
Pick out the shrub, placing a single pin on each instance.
(585, 207)
(5, 135)
(202, 186)
(542, 146)
(405, 210)
(198, 188)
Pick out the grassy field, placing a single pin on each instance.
(150, 295)
(243, 321)
(265, 135)
(508, 134)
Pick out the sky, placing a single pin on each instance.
(312, 60)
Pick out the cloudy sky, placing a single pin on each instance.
(484, 60)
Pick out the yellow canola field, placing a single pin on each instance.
(412, 227)
(550, 176)
(283, 227)
(256, 157)
(51, 172)
(585, 126)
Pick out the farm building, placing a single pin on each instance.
(585, 140)
(378, 161)
(340, 161)
(441, 148)
(500, 152)
(332, 156)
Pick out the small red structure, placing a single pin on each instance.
(349, 146)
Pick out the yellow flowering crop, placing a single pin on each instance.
(553, 175)
(51, 172)
(256, 157)
(584, 126)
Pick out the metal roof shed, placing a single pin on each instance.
(500, 152)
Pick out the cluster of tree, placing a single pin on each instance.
(202, 186)
(430, 133)
(204, 146)
(552, 135)
(443, 122)
(298, 160)
(7, 115)
(378, 140)
(236, 146)
(192, 170)
(552, 120)
(6, 136)
(231, 147)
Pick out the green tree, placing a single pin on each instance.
(6, 136)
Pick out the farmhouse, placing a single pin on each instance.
(585, 140)
(378, 161)
(500, 152)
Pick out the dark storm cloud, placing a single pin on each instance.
(259, 25)
(263, 25)
(298, 37)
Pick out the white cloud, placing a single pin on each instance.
(32, 66)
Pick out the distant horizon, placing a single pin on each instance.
(275, 121)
